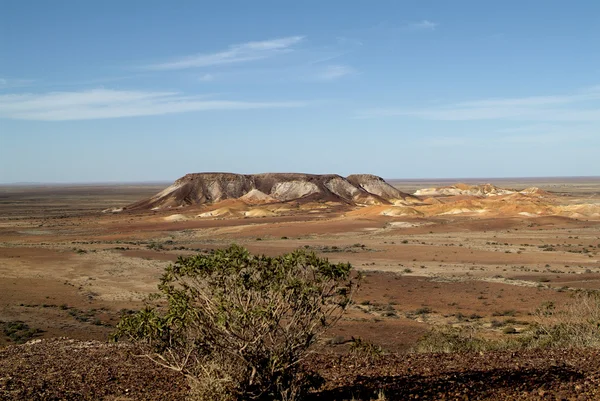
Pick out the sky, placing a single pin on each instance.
(129, 91)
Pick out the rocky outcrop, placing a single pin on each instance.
(205, 188)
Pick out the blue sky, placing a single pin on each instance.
(149, 91)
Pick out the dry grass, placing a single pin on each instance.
(448, 339)
(379, 396)
(575, 324)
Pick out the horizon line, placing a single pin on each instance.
(151, 182)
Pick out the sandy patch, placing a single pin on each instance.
(175, 218)
(259, 213)
(401, 211)
(221, 212)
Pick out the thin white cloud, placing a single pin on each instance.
(207, 78)
(587, 94)
(238, 53)
(333, 72)
(6, 83)
(581, 106)
(424, 25)
(103, 103)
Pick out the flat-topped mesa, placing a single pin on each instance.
(205, 188)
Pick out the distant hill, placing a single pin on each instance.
(483, 190)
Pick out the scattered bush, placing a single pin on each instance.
(18, 331)
(508, 312)
(497, 323)
(365, 349)
(155, 246)
(423, 311)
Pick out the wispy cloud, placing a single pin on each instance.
(238, 53)
(206, 78)
(424, 25)
(583, 105)
(103, 103)
(333, 72)
(7, 83)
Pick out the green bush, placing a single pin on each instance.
(239, 325)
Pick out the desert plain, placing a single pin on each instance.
(462, 255)
(68, 266)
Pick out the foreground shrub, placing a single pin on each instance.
(238, 325)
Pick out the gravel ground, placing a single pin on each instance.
(83, 370)
(523, 375)
(63, 369)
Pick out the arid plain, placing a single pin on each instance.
(71, 260)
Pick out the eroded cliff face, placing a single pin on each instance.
(203, 188)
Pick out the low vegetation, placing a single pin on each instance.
(18, 332)
(237, 325)
(365, 349)
(575, 324)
